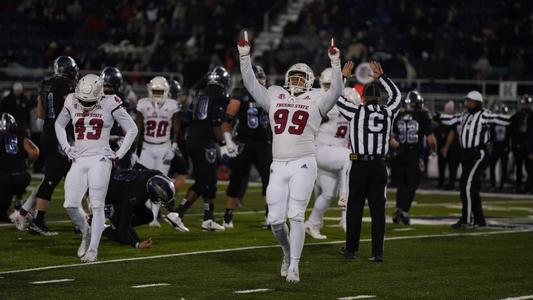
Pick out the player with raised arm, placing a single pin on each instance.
(93, 115)
(295, 112)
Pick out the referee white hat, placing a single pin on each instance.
(474, 95)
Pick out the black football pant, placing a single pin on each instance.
(521, 160)
(204, 167)
(56, 166)
(367, 181)
(473, 162)
(408, 172)
(251, 152)
(452, 162)
(498, 153)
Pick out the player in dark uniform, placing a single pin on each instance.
(412, 127)
(500, 150)
(15, 148)
(254, 138)
(125, 203)
(204, 134)
(519, 135)
(50, 103)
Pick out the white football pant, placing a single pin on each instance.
(152, 157)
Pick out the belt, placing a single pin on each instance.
(161, 143)
(365, 157)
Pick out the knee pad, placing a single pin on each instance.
(47, 187)
(297, 210)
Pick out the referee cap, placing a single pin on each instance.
(474, 95)
(372, 92)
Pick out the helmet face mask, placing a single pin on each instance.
(160, 189)
(219, 76)
(299, 78)
(65, 66)
(7, 123)
(158, 89)
(112, 80)
(89, 91)
(413, 101)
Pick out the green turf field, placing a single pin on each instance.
(427, 260)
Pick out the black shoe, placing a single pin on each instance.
(396, 216)
(347, 254)
(404, 217)
(41, 228)
(376, 258)
(460, 225)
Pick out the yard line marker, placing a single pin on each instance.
(141, 286)
(357, 297)
(52, 281)
(403, 229)
(252, 291)
(519, 298)
(395, 238)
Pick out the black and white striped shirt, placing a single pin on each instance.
(474, 126)
(371, 125)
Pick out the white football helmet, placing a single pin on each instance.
(158, 89)
(351, 95)
(303, 83)
(325, 78)
(89, 91)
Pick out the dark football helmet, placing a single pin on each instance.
(7, 123)
(65, 66)
(174, 89)
(112, 80)
(526, 99)
(413, 100)
(219, 76)
(160, 189)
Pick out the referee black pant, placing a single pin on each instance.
(473, 162)
(367, 181)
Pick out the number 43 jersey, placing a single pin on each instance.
(411, 128)
(157, 119)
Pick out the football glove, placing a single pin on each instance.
(334, 53)
(244, 45)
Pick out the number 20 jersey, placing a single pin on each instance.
(157, 119)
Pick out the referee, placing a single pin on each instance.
(370, 132)
(474, 127)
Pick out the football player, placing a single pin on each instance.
(93, 115)
(500, 150)
(295, 112)
(254, 138)
(332, 156)
(49, 104)
(157, 117)
(128, 192)
(15, 148)
(412, 128)
(204, 133)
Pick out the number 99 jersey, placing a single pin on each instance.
(157, 119)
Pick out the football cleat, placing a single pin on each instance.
(155, 224)
(89, 257)
(314, 231)
(175, 220)
(20, 222)
(211, 225)
(42, 229)
(396, 216)
(285, 262)
(84, 245)
(293, 276)
(228, 225)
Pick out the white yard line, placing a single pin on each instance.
(519, 298)
(149, 285)
(52, 281)
(357, 297)
(409, 237)
(252, 291)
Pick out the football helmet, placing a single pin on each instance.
(351, 95)
(158, 89)
(65, 66)
(259, 74)
(112, 80)
(299, 78)
(174, 89)
(219, 76)
(526, 100)
(325, 78)
(160, 189)
(413, 100)
(7, 123)
(89, 91)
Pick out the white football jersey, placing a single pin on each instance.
(334, 131)
(92, 129)
(157, 119)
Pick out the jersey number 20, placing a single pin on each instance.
(298, 120)
(161, 129)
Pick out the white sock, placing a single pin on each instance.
(29, 203)
(281, 232)
(322, 203)
(155, 209)
(97, 227)
(78, 218)
(297, 239)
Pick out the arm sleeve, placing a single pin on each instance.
(450, 120)
(496, 119)
(258, 91)
(60, 124)
(334, 92)
(395, 97)
(127, 123)
(347, 108)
